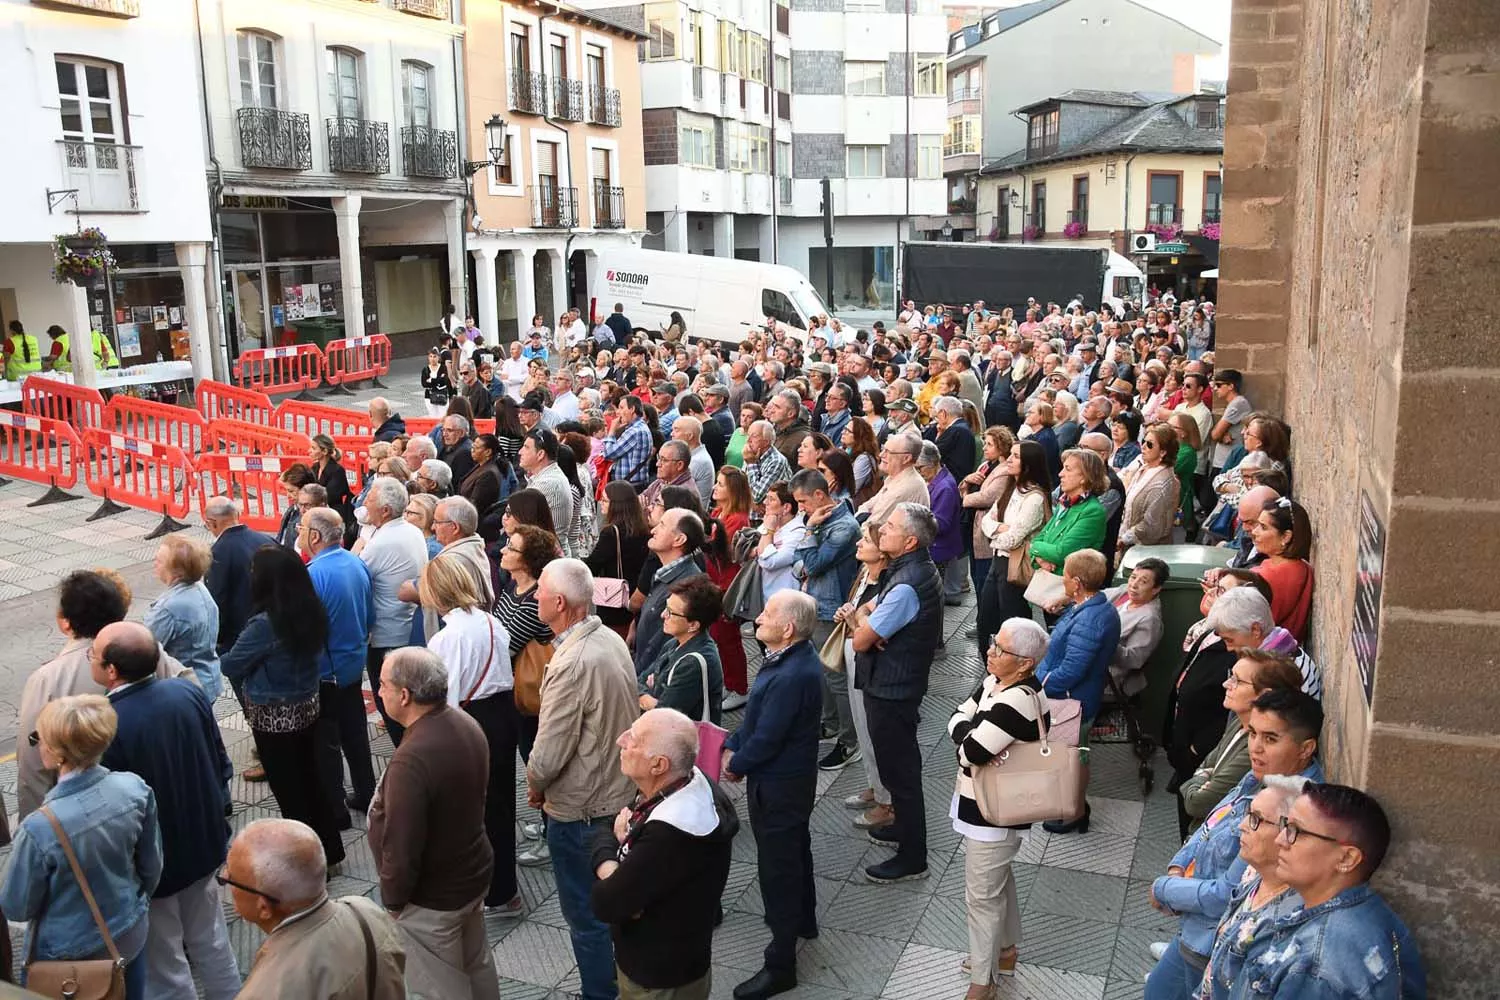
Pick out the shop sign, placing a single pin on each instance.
(254, 202)
(1170, 248)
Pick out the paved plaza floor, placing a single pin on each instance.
(1086, 922)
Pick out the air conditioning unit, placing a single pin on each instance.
(1143, 243)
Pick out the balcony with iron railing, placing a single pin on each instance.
(567, 99)
(609, 206)
(1163, 215)
(961, 206)
(429, 152)
(438, 9)
(357, 146)
(274, 139)
(528, 92)
(1079, 217)
(553, 207)
(105, 175)
(604, 107)
(1211, 215)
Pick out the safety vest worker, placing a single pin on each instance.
(22, 355)
(62, 358)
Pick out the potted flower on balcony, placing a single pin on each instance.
(1075, 230)
(1031, 232)
(1209, 231)
(1166, 232)
(79, 258)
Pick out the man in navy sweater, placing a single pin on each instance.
(168, 736)
(229, 574)
(776, 747)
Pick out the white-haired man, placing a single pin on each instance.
(776, 748)
(764, 465)
(588, 698)
(419, 448)
(661, 870)
(427, 832)
(316, 948)
(395, 553)
(228, 578)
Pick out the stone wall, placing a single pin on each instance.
(659, 136)
(817, 71)
(1361, 259)
(816, 155)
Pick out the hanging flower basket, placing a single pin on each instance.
(1031, 232)
(1167, 232)
(1209, 231)
(1075, 230)
(80, 258)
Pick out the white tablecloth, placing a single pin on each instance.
(156, 372)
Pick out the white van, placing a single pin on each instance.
(719, 299)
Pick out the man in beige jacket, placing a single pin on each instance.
(87, 601)
(588, 700)
(903, 483)
(318, 948)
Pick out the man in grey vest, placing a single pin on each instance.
(895, 637)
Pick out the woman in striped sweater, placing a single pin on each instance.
(1004, 709)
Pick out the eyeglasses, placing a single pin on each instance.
(441, 520)
(223, 879)
(1292, 831)
(1253, 820)
(1148, 443)
(673, 614)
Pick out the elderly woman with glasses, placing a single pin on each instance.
(687, 675)
(109, 820)
(1151, 497)
(1007, 707)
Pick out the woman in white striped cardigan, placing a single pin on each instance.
(1007, 707)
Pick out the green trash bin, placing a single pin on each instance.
(1180, 597)
(319, 330)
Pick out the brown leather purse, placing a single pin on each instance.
(77, 979)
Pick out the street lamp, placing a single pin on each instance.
(947, 230)
(494, 140)
(1016, 202)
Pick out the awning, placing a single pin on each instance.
(1205, 246)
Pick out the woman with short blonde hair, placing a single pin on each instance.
(185, 617)
(109, 820)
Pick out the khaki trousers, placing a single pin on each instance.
(696, 990)
(446, 954)
(990, 898)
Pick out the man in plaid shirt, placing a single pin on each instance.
(629, 448)
(764, 465)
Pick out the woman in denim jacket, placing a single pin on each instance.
(275, 665)
(110, 821)
(185, 619)
(1344, 941)
(1283, 737)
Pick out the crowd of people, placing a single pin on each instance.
(587, 590)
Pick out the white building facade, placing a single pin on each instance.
(749, 104)
(102, 118)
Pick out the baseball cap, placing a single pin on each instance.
(822, 368)
(904, 405)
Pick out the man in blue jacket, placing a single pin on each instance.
(343, 584)
(1083, 643)
(229, 573)
(826, 568)
(168, 736)
(776, 747)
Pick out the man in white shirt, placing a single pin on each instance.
(538, 458)
(564, 401)
(1194, 385)
(395, 553)
(513, 371)
(577, 330)
(689, 430)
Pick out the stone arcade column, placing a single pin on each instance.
(484, 291)
(346, 217)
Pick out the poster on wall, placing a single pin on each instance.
(312, 305)
(140, 314)
(325, 292)
(293, 295)
(130, 339)
(159, 317)
(96, 321)
(174, 315)
(278, 317)
(1369, 580)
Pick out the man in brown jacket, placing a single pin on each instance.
(427, 832)
(318, 948)
(588, 700)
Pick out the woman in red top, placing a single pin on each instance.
(731, 498)
(1283, 534)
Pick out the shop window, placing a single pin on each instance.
(863, 277)
(300, 235)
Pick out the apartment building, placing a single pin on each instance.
(102, 132)
(1100, 167)
(554, 118)
(749, 104)
(333, 163)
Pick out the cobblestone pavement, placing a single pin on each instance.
(1086, 922)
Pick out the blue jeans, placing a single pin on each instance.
(571, 844)
(1173, 978)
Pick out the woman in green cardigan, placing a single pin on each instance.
(1188, 443)
(1078, 518)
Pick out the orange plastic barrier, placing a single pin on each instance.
(58, 400)
(162, 423)
(236, 437)
(127, 472)
(355, 359)
(255, 480)
(420, 425)
(40, 450)
(279, 370)
(217, 401)
(320, 418)
(484, 425)
(354, 456)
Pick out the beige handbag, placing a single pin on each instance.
(1018, 567)
(78, 979)
(1032, 782)
(832, 653)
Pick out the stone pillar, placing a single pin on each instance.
(724, 235)
(453, 222)
(346, 218)
(192, 261)
(520, 260)
(675, 234)
(558, 267)
(767, 239)
(484, 291)
(81, 337)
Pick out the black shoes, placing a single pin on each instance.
(358, 805)
(884, 836)
(765, 983)
(895, 870)
(838, 758)
(1079, 825)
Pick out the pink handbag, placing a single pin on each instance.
(710, 737)
(1067, 720)
(609, 591)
